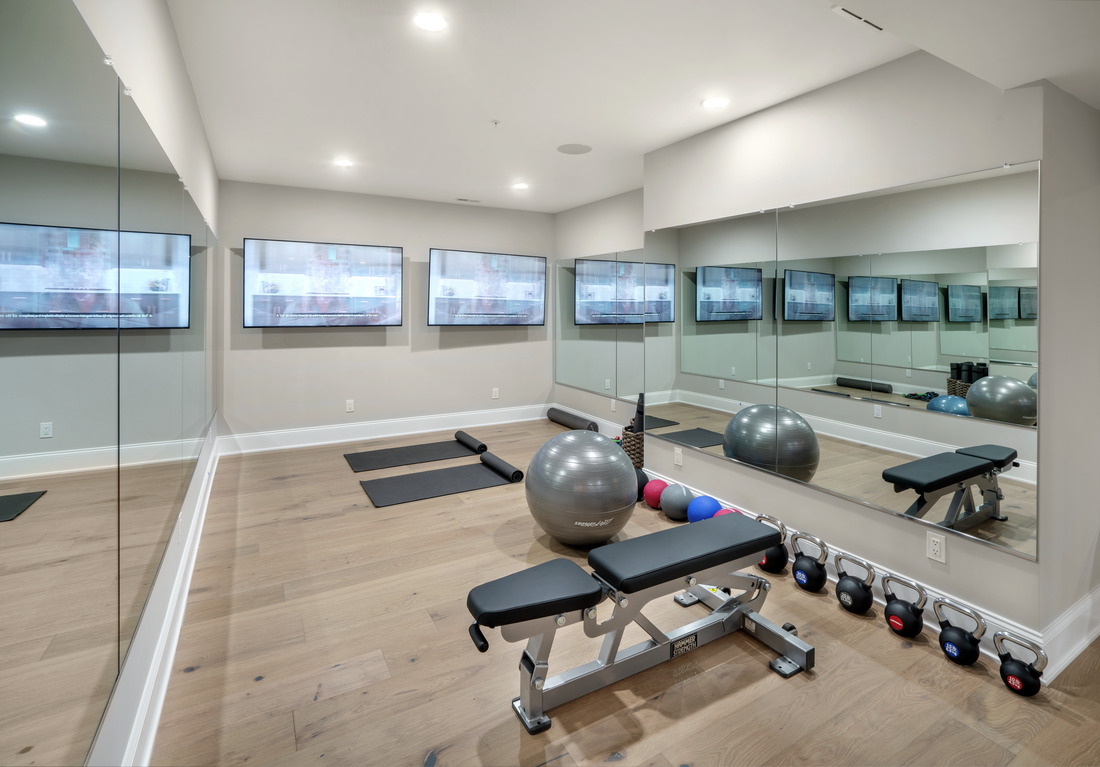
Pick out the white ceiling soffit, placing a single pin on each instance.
(1007, 43)
(285, 86)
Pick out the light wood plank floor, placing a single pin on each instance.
(65, 617)
(855, 470)
(322, 630)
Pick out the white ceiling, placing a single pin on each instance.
(285, 86)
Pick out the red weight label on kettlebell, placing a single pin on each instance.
(1014, 682)
(895, 622)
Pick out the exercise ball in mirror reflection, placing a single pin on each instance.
(774, 438)
(949, 403)
(1003, 398)
(581, 488)
(1033, 382)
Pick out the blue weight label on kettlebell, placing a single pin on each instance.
(951, 649)
(800, 576)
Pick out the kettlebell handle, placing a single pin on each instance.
(869, 580)
(922, 597)
(770, 520)
(1000, 637)
(822, 557)
(979, 630)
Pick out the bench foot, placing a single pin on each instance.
(533, 726)
(784, 666)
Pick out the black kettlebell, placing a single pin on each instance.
(775, 558)
(904, 618)
(1021, 678)
(854, 594)
(809, 573)
(959, 646)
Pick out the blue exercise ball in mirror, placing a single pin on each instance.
(949, 403)
(1003, 398)
(1033, 382)
(774, 438)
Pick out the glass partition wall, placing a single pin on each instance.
(106, 379)
(872, 308)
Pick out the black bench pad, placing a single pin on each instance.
(640, 563)
(557, 586)
(926, 475)
(1000, 455)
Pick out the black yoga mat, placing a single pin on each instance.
(462, 445)
(572, 420)
(491, 472)
(11, 506)
(695, 438)
(653, 422)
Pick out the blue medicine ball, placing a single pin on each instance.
(949, 403)
(703, 507)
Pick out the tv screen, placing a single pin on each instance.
(473, 288)
(1029, 303)
(1004, 302)
(623, 292)
(964, 303)
(54, 278)
(728, 293)
(808, 296)
(872, 298)
(920, 301)
(320, 284)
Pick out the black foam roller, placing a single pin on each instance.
(856, 383)
(573, 421)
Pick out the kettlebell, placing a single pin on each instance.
(959, 646)
(809, 573)
(854, 594)
(775, 558)
(1021, 678)
(904, 618)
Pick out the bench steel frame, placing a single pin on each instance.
(538, 693)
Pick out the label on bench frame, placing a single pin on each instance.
(684, 645)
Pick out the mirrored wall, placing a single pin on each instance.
(106, 374)
(853, 316)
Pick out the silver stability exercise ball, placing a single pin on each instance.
(774, 438)
(1033, 382)
(1003, 398)
(581, 488)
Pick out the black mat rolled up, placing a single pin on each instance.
(462, 445)
(473, 443)
(572, 420)
(502, 467)
(490, 472)
(857, 383)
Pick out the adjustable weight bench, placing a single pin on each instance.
(954, 474)
(535, 603)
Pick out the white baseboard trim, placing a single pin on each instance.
(129, 725)
(95, 458)
(1070, 633)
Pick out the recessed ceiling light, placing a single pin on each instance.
(32, 120)
(520, 185)
(431, 22)
(342, 162)
(716, 102)
(574, 149)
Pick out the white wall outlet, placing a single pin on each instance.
(733, 371)
(613, 406)
(721, 383)
(496, 393)
(937, 547)
(607, 383)
(878, 411)
(678, 456)
(349, 406)
(908, 373)
(45, 430)
(809, 366)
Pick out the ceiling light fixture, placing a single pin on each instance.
(32, 120)
(716, 102)
(520, 185)
(430, 22)
(342, 162)
(574, 149)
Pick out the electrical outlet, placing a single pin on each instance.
(908, 373)
(349, 406)
(937, 547)
(721, 383)
(607, 383)
(45, 430)
(809, 366)
(678, 456)
(613, 406)
(496, 393)
(878, 411)
(733, 371)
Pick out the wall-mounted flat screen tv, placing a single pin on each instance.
(623, 292)
(1004, 302)
(319, 284)
(59, 278)
(728, 293)
(964, 303)
(872, 299)
(1029, 303)
(474, 288)
(808, 296)
(920, 301)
